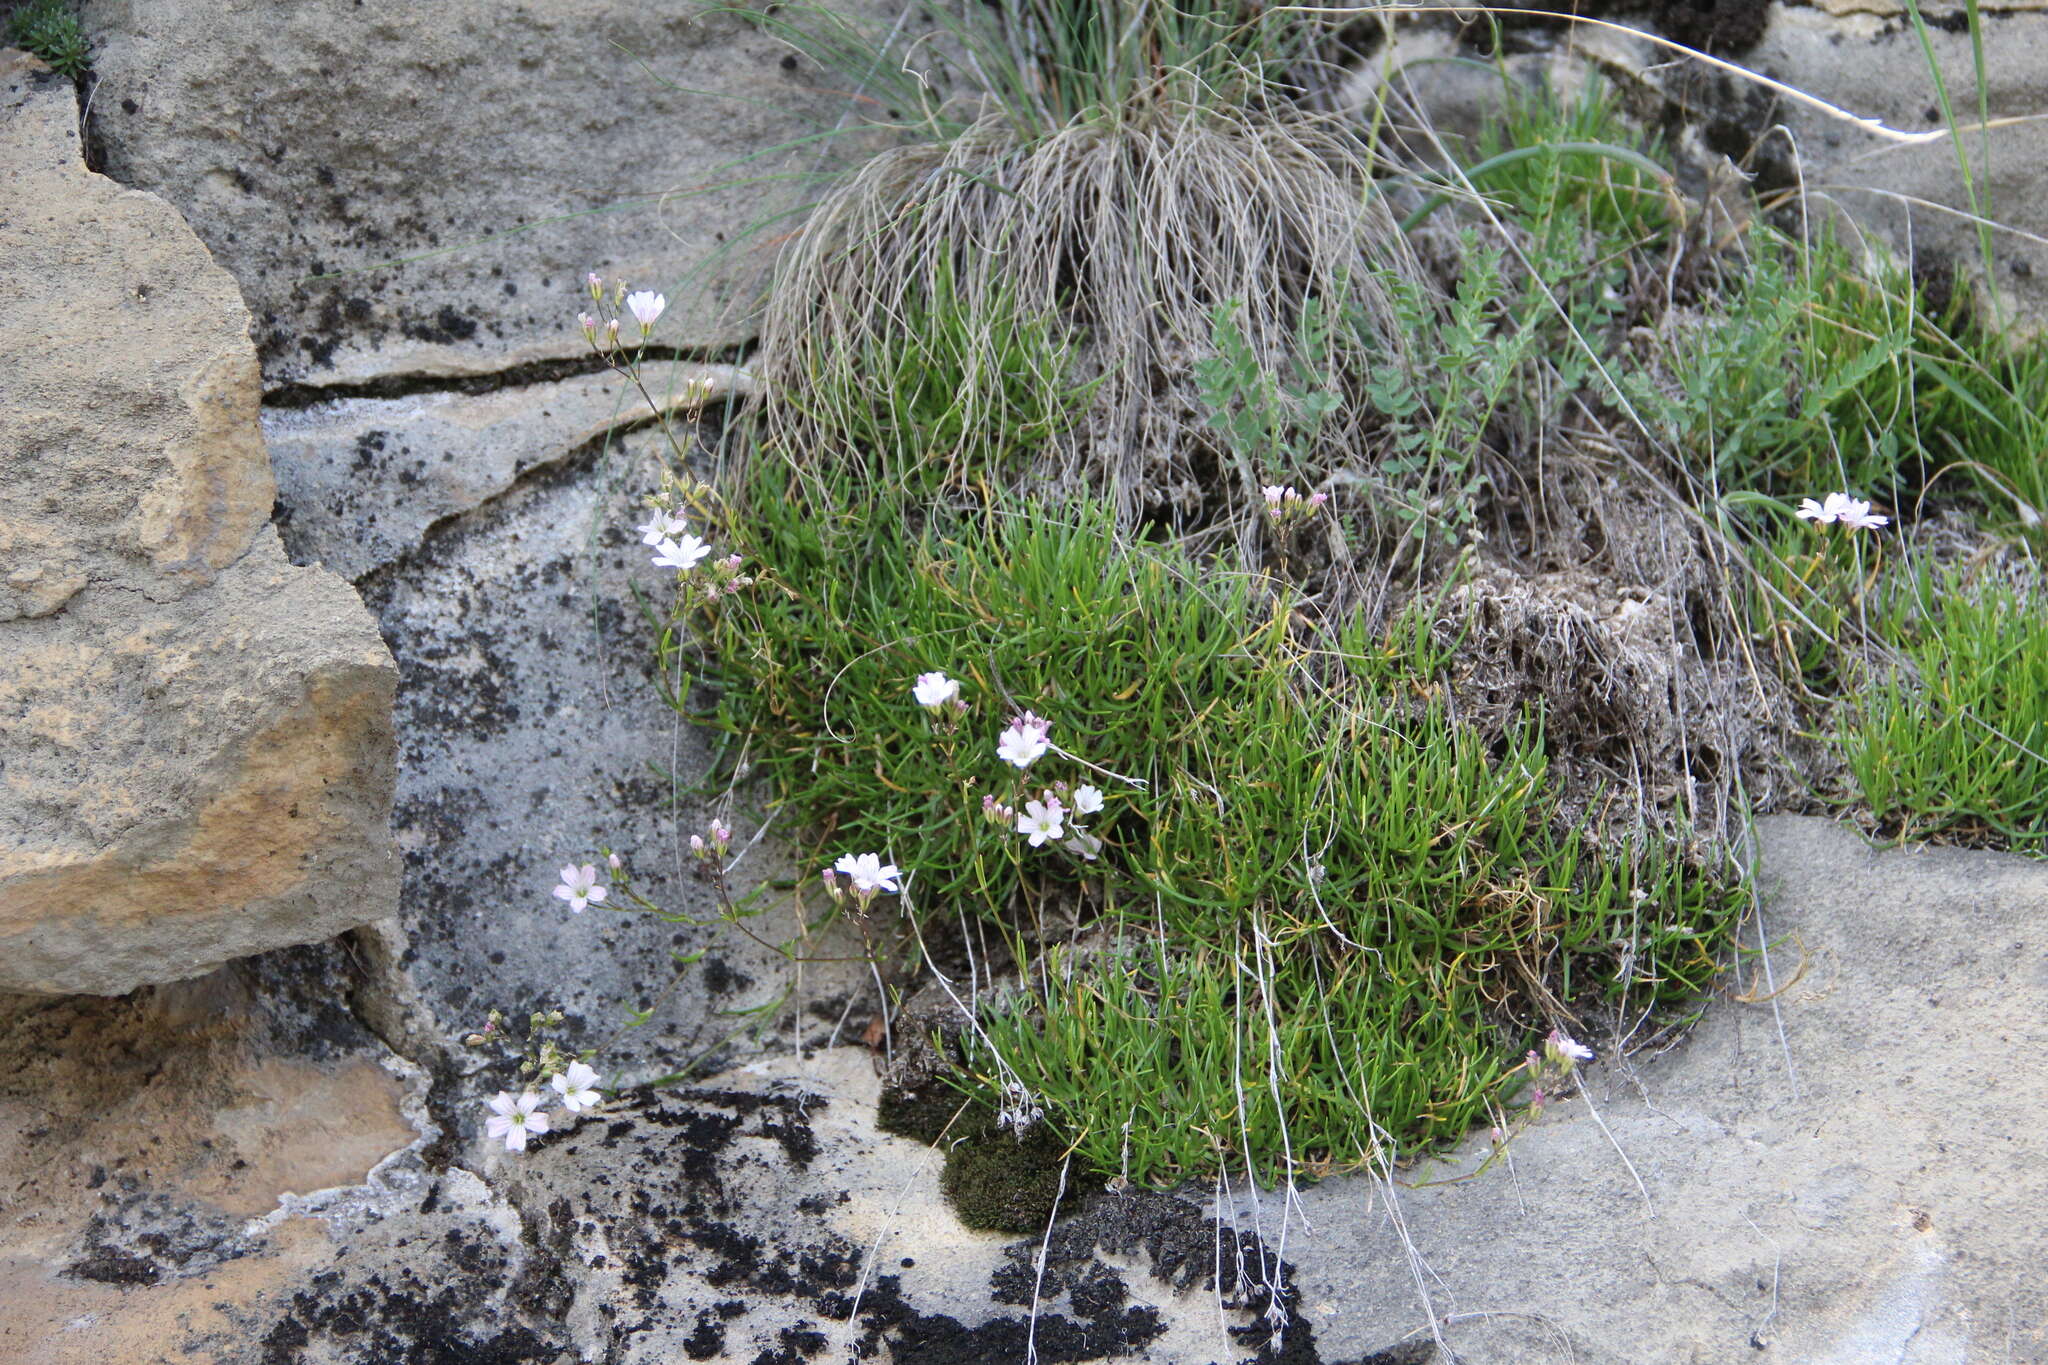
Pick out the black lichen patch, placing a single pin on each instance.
(1717, 26)
(1000, 1182)
(404, 1319)
(916, 1338)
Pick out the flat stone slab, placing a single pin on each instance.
(501, 153)
(1866, 1186)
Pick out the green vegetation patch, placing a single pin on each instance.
(50, 29)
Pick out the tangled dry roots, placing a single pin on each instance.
(1129, 232)
(1617, 623)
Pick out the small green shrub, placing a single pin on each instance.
(50, 29)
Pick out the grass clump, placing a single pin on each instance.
(50, 29)
(1953, 741)
(1309, 871)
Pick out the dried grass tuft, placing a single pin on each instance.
(1127, 234)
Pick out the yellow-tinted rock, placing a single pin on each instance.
(196, 753)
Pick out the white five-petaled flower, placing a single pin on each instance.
(934, 690)
(578, 1087)
(868, 873)
(579, 887)
(682, 554)
(646, 306)
(1022, 744)
(513, 1119)
(1083, 845)
(1853, 513)
(1087, 800)
(1042, 820)
(661, 525)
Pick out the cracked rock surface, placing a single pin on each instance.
(195, 736)
(284, 1161)
(545, 139)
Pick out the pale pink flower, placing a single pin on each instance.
(1021, 745)
(1562, 1044)
(868, 873)
(1041, 821)
(682, 555)
(513, 1119)
(578, 1088)
(1083, 845)
(646, 306)
(933, 690)
(579, 887)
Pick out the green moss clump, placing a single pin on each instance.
(1000, 1183)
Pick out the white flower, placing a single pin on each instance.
(680, 554)
(578, 1088)
(513, 1119)
(645, 307)
(661, 525)
(1083, 845)
(934, 690)
(1087, 800)
(1273, 493)
(868, 873)
(1021, 744)
(579, 887)
(1853, 513)
(1561, 1043)
(1042, 820)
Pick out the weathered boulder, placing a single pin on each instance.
(526, 144)
(196, 761)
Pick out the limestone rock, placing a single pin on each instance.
(362, 480)
(1866, 1186)
(1873, 66)
(526, 143)
(196, 760)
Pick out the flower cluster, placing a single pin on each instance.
(715, 846)
(1285, 506)
(602, 329)
(1049, 816)
(1853, 513)
(1551, 1068)
(676, 548)
(515, 1119)
(866, 876)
